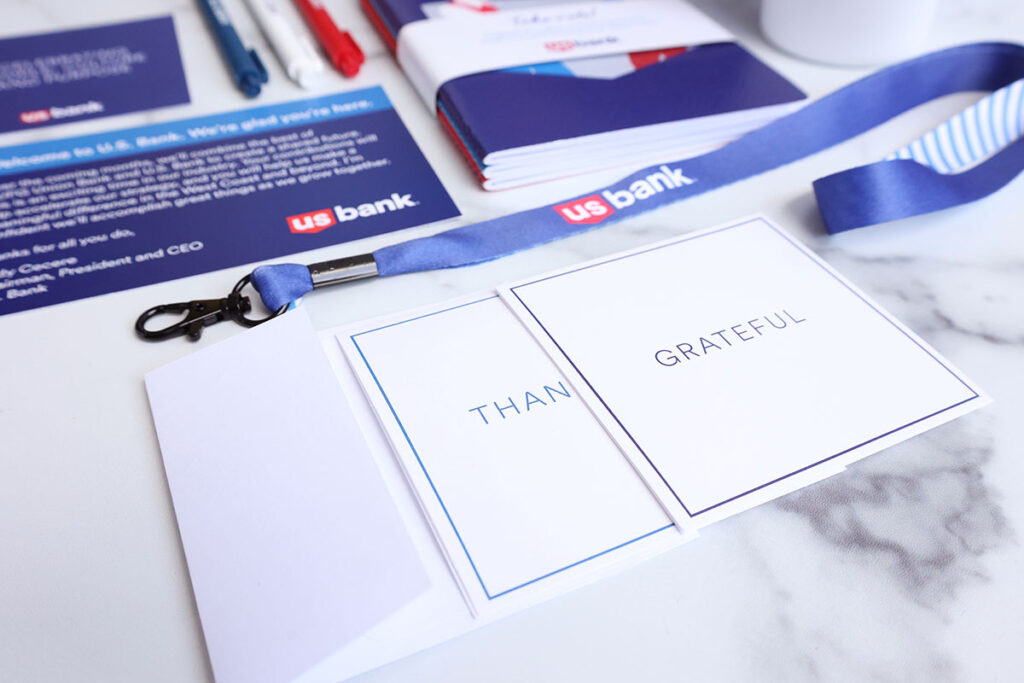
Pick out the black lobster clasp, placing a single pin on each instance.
(198, 314)
(202, 312)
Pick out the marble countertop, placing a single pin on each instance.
(907, 567)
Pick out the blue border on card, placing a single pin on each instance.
(813, 260)
(433, 486)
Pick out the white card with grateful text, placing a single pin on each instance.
(732, 365)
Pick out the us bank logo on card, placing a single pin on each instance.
(86, 73)
(597, 207)
(311, 222)
(315, 221)
(37, 116)
(53, 113)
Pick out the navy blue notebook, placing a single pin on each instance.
(506, 110)
(498, 111)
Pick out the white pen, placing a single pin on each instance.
(295, 52)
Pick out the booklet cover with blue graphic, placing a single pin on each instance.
(536, 122)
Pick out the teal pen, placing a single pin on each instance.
(245, 65)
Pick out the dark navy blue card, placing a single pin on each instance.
(68, 76)
(101, 213)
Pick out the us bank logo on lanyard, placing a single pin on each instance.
(596, 207)
(981, 150)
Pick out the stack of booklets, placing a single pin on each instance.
(537, 122)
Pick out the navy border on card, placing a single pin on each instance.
(815, 261)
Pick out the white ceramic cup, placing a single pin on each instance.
(848, 32)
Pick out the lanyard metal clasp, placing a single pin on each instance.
(341, 270)
(202, 312)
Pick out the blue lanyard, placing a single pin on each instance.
(890, 189)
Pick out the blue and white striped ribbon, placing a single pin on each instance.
(973, 135)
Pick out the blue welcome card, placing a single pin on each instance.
(87, 73)
(101, 213)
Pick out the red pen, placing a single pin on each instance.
(342, 50)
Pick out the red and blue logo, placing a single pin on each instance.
(311, 222)
(586, 210)
(36, 116)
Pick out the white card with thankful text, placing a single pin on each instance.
(525, 491)
(732, 365)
